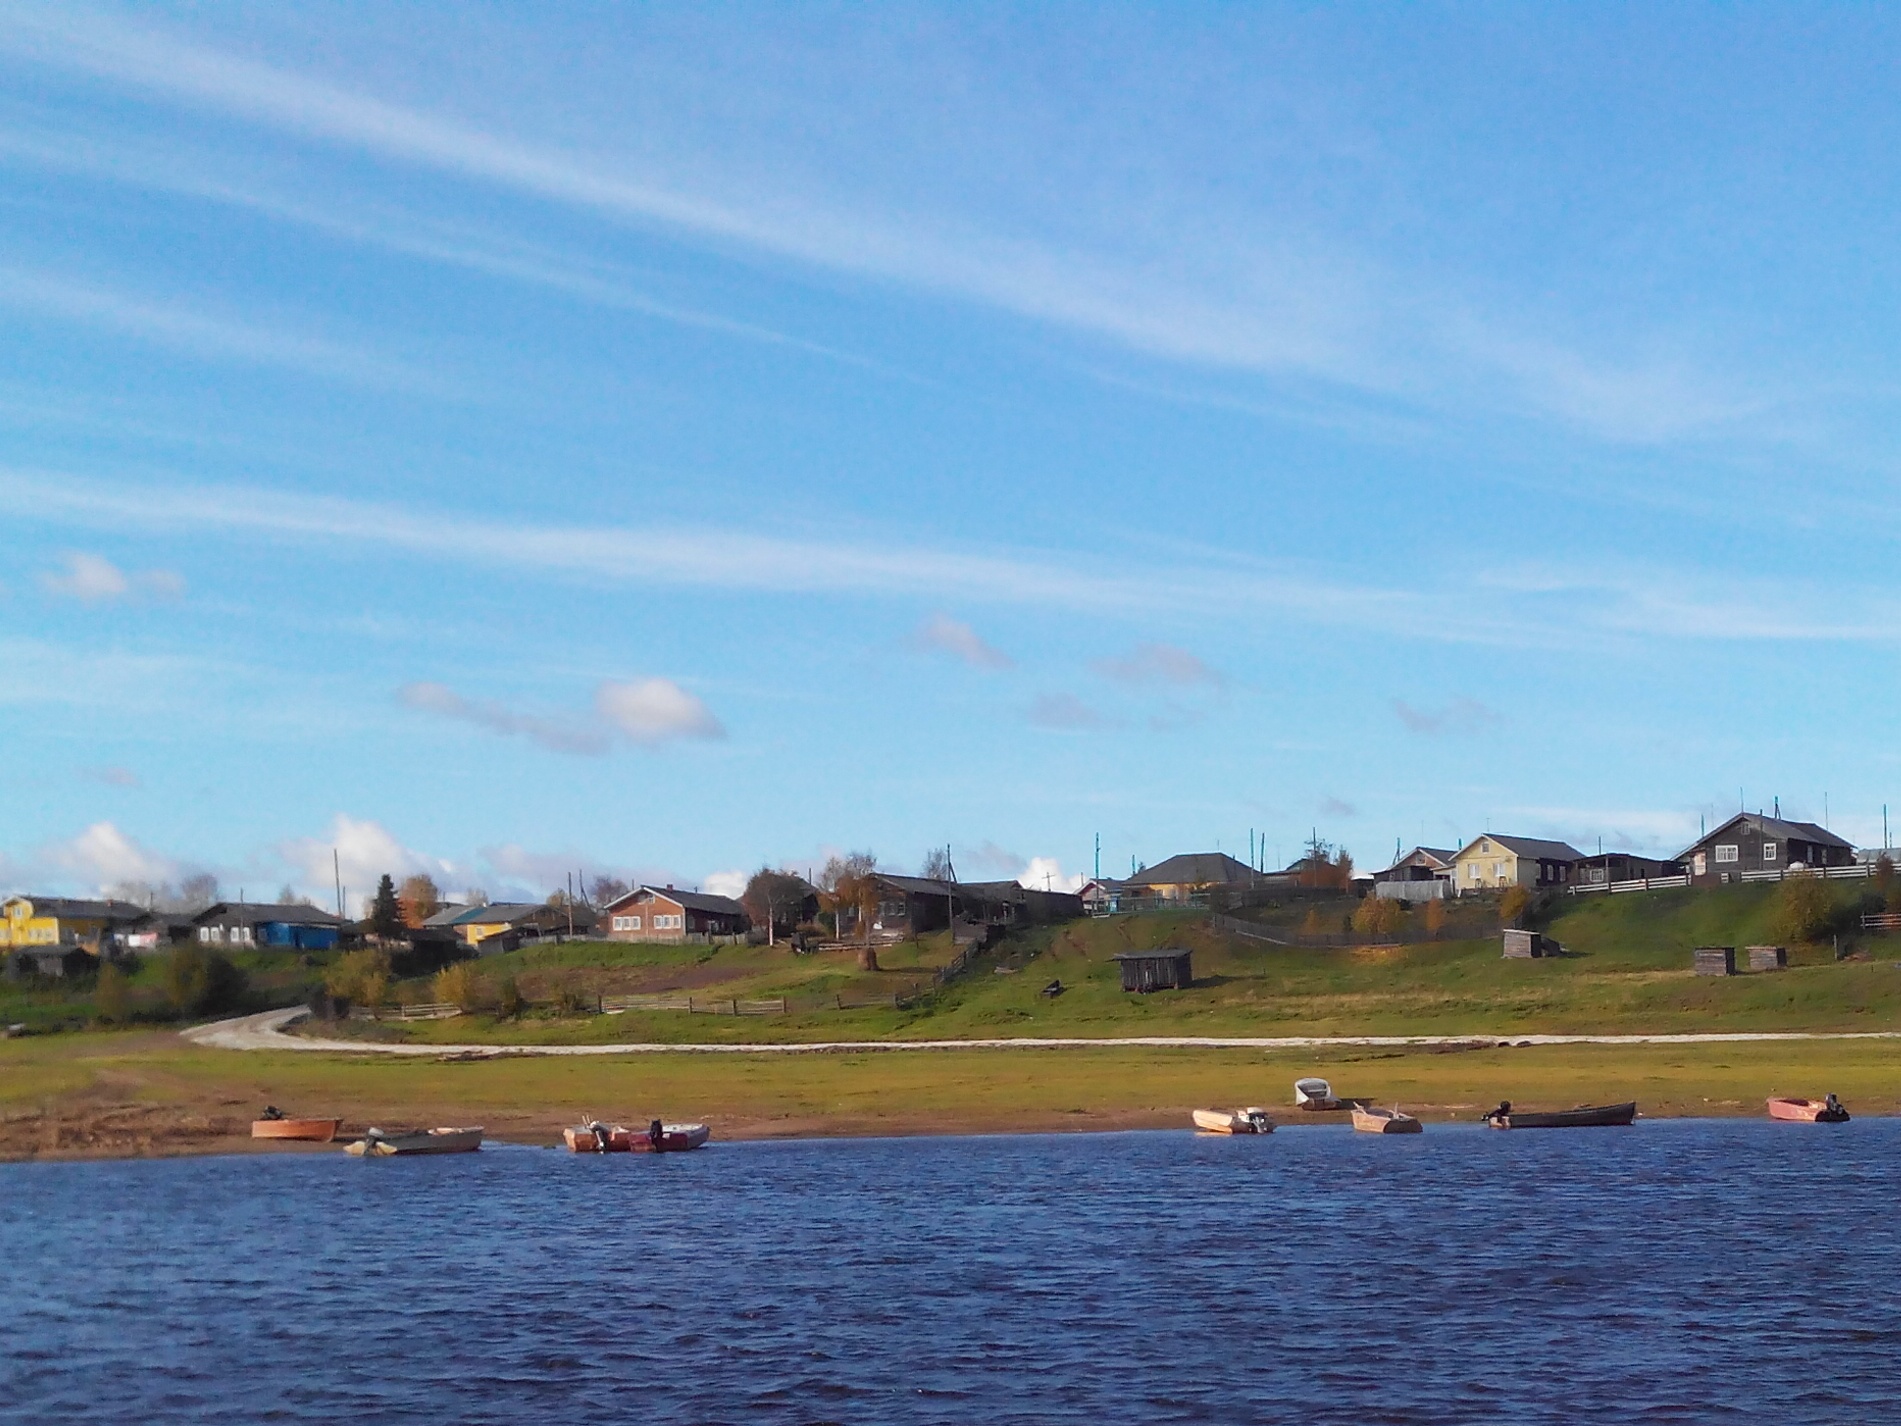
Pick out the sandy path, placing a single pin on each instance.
(266, 1032)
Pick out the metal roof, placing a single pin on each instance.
(1776, 827)
(256, 913)
(1196, 869)
(79, 906)
(1527, 847)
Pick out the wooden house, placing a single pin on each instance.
(28, 922)
(1495, 861)
(1183, 876)
(504, 925)
(1166, 969)
(1423, 874)
(1607, 868)
(666, 914)
(1750, 841)
(250, 925)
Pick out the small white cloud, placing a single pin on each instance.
(114, 776)
(1461, 715)
(945, 635)
(1046, 874)
(104, 855)
(1064, 713)
(726, 883)
(551, 733)
(1161, 664)
(94, 579)
(651, 711)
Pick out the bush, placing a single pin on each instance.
(1435, 917)
(360, 977)
(570, 999)
(1378, 916)
(1513, 905)
(460, 986)
(1803, 910)
(199, 981)
(508, 1001)
(110, 997)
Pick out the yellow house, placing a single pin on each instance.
(1493, 861)
(62, 921)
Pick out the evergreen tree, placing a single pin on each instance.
(386, 912)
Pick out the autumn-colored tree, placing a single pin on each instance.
(110, 998)
(846, 889)
(1435, 916)
(1513, 905)
(1379, 916)
(775, 900)
(360, 977)
(460, 986)
(419, 899)
(1314, 924)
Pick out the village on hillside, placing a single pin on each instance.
(855, 902)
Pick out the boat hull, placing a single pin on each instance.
(315, 1131)
(618, 1139)
(1594, 1117)
(1222, 1121)
(430, 1141)
(1807, 1111)
(1377, 1121)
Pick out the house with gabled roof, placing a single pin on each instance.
(1751, 842)
(46, 921)
(1181, 876)
(1423, 874)
(249, 924)
(667, 914)
(1497, 860)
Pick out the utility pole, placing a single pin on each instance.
(1098, 856)
(570, 904)
(336, 873)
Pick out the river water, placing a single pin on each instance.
(1675, 1271)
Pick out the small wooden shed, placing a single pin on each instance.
(1767, 957)
(1716, 960)
(1166, 969)
(1529, 945)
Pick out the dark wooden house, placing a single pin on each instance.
(1750, 841)
(1608, 867)
(1168, 969)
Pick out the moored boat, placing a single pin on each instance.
(277, 1125)
(1251, 1120)
(595, 1137)
(1809, 1111)
(378, 1145)
(1385, 1121)
(1315, 1095)
(1584, 1117)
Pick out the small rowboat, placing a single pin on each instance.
(1385, 1121)
(316, 1131)
(656, 1138)
(1809, 1111)
(1315, 1095)
(1240, 1121)
(1592, 1117)
(378, 1145)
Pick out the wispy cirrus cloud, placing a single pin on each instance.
(942, 634)
(648, 712)
(1281, 303)
(179, 327)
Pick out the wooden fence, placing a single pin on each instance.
(441, 1010)
(1647, 883)
(1881, 921)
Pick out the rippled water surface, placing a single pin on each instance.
(1670, 1272)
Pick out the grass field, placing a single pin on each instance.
(148, 1092)
(144, 1091)
(1627, 971)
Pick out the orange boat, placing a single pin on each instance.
(656, 1138)
(275, 1125)
(1809, 1111)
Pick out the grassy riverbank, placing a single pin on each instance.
(144, 1093)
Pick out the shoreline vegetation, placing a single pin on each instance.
(135, 1087)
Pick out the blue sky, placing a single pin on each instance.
(667, 440)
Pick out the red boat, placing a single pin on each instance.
(1809, 1111)
(656, 1138)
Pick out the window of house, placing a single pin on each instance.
(666, 923)
(620, 923)
(1769, 850)
(1727, 852)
